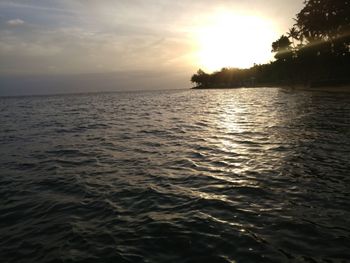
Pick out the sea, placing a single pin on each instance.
(239, 175)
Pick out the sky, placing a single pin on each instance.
(132, 44)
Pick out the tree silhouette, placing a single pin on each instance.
(326, 21)
(282, 47)
(201, 78)
(293, 34)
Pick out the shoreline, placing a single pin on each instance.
(343, 88)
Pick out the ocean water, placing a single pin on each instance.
(244, 175)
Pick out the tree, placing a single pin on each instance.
(282, 47)
(326, 21)
(294, 35)
(200, 78)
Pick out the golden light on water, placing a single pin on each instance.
(233, 40)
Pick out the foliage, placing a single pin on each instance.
(282, 47)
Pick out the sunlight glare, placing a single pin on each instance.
(231, 40)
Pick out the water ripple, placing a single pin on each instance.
(246, 175)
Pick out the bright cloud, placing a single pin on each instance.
(15, 22)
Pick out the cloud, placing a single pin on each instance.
(15, 22)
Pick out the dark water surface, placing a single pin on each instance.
(247, 175)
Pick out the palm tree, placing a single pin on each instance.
(293, 34)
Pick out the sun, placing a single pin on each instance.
(232, 40)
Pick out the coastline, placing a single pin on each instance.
(342, 88)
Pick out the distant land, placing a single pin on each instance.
(314, 53)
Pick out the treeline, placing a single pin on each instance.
(314, 52)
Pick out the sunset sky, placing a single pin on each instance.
(138, 37)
